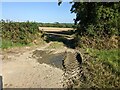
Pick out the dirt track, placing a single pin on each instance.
(21, 70)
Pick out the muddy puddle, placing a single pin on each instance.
(49, 58)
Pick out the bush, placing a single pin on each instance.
(19, 32)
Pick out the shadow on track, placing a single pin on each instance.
(61, 36)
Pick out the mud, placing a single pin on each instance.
(48, 57)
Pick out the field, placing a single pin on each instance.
(54, 29)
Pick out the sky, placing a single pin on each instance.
(46, 12)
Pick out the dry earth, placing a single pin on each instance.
(21, 70)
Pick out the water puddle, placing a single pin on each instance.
(49, 58)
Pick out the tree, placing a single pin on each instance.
(96, 18)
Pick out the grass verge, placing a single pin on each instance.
(100, 69)
(5, 44)
(108, 57)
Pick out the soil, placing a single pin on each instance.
(22, 70)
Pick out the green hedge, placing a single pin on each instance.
(19, 32)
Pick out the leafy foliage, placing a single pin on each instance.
(96, 18)
(19, 32)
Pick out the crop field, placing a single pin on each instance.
(54, 29)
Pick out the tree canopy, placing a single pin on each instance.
(96, 18)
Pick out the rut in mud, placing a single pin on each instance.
(68, 61)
